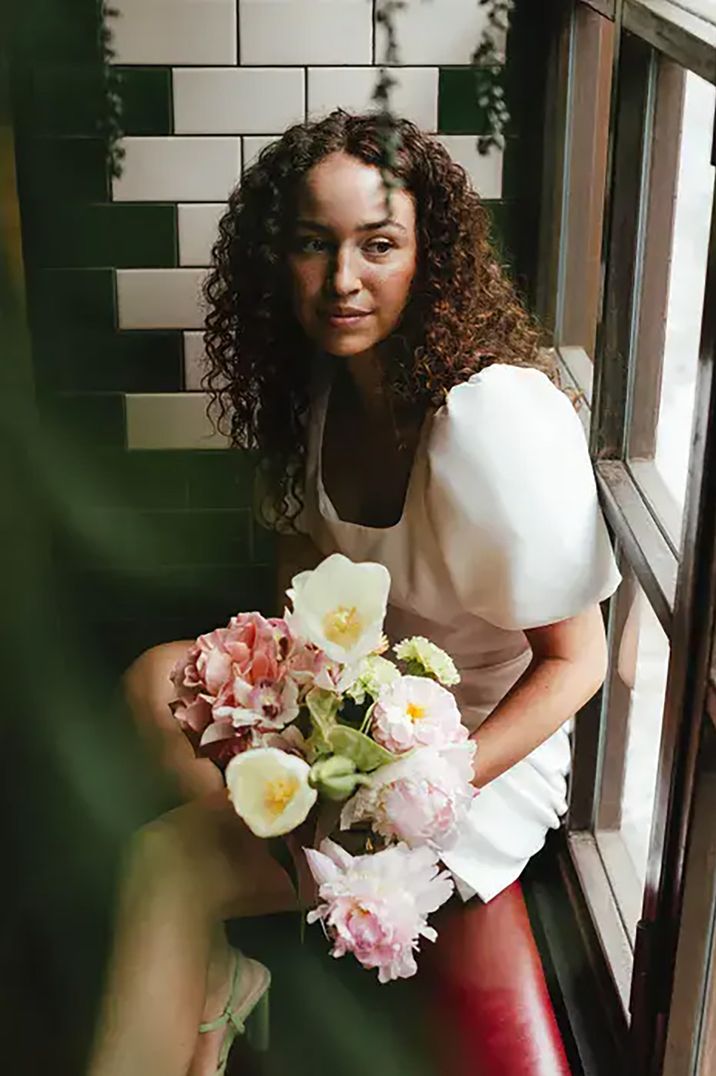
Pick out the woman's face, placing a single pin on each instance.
(351, 264)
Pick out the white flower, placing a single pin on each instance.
(340, 607)
(269, 789)
(426, 659)
(374, 673)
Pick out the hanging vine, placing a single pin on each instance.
(110, 122)
(490, 73)
(384, 16)
(489, 69)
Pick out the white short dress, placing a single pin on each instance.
(501, 531)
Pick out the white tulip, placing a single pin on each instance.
(269, 790)
(340, 607)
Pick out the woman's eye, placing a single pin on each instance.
(310, 244)
(379, 246)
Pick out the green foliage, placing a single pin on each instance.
(110, 123)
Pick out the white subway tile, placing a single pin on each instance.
(415, 96)
(170, 420)
(306, 31)
(240, 100)
(178, 169)
(253, 144)
(160, 298)
(194, 359)
(484, 171)
(174, 31)
(436, 32)
(198, 230)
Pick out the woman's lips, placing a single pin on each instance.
(346, 321)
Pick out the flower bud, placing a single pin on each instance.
(335, 778)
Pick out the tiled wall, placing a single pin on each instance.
(114, 266)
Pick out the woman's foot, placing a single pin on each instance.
(219, 980)
(235, 983)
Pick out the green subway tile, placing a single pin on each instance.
(183, 537)
(77, 360)
(458, 109)
(221, 479)
(146, 95)
(263, 544)
(59, 32)
(92, 420)
(79, 298)
(72, 100)
(67, 100)
(52, 170)
(140, 480)
(122, 236)
(203, 596)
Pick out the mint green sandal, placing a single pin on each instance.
(246, 1011)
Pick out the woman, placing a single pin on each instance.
(363, 337)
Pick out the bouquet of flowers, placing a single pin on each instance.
(305, 708)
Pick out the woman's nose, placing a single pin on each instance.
(344, 277)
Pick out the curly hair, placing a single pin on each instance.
(462, 313)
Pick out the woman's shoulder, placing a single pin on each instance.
(503, 406)
(515, 384)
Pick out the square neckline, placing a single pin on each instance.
(325, 504)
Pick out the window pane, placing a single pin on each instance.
(635, 705)
(663, 401)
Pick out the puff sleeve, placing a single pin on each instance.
(513, 503)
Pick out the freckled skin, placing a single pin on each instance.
(337, 262)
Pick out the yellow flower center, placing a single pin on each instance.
(279, 793)
(343, 626)
(415, 712)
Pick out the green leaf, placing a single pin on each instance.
(280, 852)
(366, 753)
(323, 707)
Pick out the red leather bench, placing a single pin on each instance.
(490, 1001)
(480, 994)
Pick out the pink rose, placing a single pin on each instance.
(376, 906)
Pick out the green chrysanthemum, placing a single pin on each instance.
(424, 658)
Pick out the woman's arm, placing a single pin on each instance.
(569, 664)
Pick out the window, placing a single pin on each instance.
(675, 252)
(628, 290)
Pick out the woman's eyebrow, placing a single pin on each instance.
(370, 227)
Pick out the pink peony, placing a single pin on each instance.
(420, 799)
(376, 906)
(415, 711)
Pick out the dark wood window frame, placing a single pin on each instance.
(654, 40)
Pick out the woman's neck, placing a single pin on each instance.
(367, 374)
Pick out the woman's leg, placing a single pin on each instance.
(186, 873)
